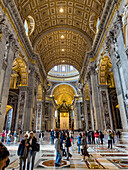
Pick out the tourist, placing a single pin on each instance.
(58, 151)
(93, 137)
(23, 152)
(96, 134)
(88, 137)
(3, 136)
(32, 150)
(9, 137)
(79, 142)
(109, 139)
(84, 147)
(52, 136)
(113, 136)
(67, 146)
(4, 157)
(101, 137)
(15, 137)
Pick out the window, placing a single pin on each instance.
(29, 25)
(98, 23)
(26, 27)
(63, 68)
(71, 68)
(55, 68)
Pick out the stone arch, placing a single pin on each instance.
(105, 72)
(20, 67)
(63, 84)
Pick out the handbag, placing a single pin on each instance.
(37, 147)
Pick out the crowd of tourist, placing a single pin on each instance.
(62, 140)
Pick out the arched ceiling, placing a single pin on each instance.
(79, 16)
(19, 65)
(64, 92)
(54, 49)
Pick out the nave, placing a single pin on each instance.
(101, 157)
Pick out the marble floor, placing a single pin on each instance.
(101, 157)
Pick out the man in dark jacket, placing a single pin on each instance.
(32, 150)
(23, 152)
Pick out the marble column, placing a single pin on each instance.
(78, 115)
(119, 46)
(85, 109)
(30, 98)
(110, 47)
(91, 103)
(95, 97)
(7, 69)
(43, 110)
(39, 116)
(21, 111)
(105, 107)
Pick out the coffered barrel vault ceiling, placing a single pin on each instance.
(62, 47)
(64, 92)
(76, 15)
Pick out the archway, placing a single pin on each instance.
(106, 79)
(64, 96)
(8, 118)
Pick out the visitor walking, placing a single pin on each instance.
(84, 147)
(3, 136)
(9, 137)
(93, 137)
(79, 142)
(101, 137)
(32, 150)
(52, 136)
(15, 137)
(109, 140)
(67, 146)
(96, 134)
(23, 152)
(58, 151)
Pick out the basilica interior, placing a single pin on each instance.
(63, 65)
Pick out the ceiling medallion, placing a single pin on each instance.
(62, 36)
(61, 10)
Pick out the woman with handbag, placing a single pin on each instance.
(32, 142)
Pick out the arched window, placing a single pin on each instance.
(29, 25)
(97, 25)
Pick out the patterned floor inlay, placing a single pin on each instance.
(114, 155)
(14, 164)
(94, 164)
(120, 163)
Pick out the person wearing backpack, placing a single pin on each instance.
(23, 152)
(109, 139)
